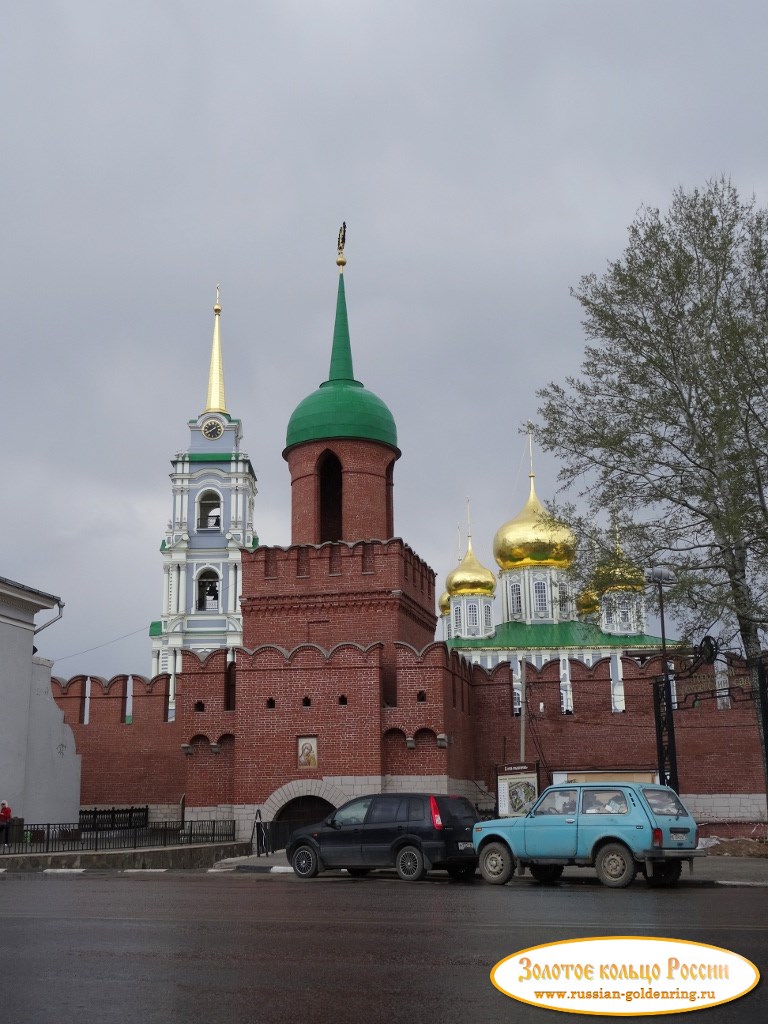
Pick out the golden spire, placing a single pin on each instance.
(341, 259)
(216, 400)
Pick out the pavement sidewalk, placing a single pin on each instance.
(707, 871)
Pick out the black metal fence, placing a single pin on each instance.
(102, 818)
(23, 838)
(270, 836)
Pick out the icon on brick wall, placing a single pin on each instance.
(307, 750)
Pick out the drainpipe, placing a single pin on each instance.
(50, 622)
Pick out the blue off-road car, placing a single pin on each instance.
(616, 828)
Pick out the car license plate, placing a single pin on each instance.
(466, 846)
(678, 833)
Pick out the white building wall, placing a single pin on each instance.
(39, 768)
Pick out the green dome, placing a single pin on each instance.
(341, 409)
(341, 406)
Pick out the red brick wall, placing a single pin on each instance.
(368, 592)
(718, 750)
(123, 763)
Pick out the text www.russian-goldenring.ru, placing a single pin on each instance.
(628, 997)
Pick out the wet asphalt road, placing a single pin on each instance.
(233, 948)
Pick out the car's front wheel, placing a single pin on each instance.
(616, 866)
(496, 863)
(304, 862)
(410, 864)
(546, 873)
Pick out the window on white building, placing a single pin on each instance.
(457, 619)
(207, 591)
(487, 617)
(209, 511)
(515, 599)
(540, 597)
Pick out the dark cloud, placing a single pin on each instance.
(483, 157)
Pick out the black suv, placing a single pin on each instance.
(412, 832)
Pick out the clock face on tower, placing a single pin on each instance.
(212, 429)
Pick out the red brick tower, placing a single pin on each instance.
(345, 577)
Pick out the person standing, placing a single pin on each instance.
(5, 821)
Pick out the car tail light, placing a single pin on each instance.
(437, 821)
(658, 839)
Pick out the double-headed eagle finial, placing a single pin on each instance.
(341, 259)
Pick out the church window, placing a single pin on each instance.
(609, 616)
(209, 516)
(330, 481)
(515, 599)
(457, 619)
(624, 616)
(487, 617)
(540, 597)
(517, 701)
(472, 617)
(208, 591)
(563, 592)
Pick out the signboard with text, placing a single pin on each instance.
(517, 786)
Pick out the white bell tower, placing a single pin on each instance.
(213, 489)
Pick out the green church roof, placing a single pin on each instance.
(341, 406)
(556, 636)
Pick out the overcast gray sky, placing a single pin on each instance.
(484, 157)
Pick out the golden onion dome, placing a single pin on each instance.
(588, 602)
(444, 604)
(618, 573)
(529, 540)
(470, 577)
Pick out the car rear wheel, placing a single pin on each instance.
(410, 864)
(664, 873)
(616, 866)
(546, 873)
(304, 862)
(496, 863)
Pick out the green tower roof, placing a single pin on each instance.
(341, 406)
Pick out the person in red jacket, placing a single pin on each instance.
(5, 820)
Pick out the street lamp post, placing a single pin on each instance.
(666, 752)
